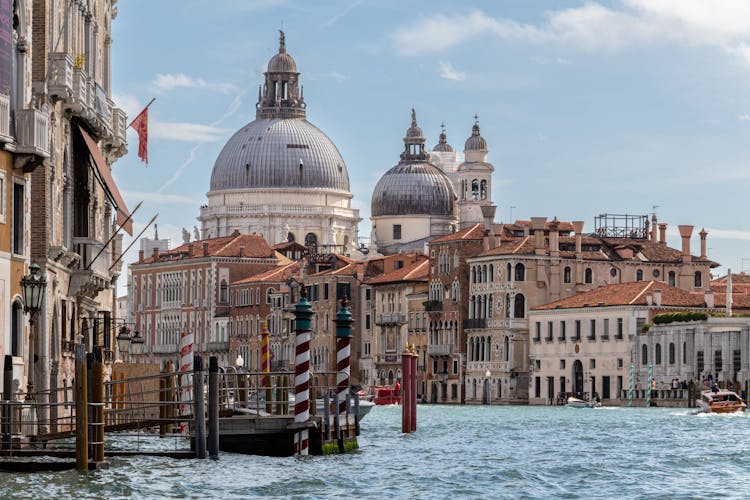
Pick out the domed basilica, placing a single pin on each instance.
(280, 176)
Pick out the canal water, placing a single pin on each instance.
(458, 452)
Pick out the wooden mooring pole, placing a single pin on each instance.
(8, 407)
(213, 407)
(97, 405)
(199, 409)
(82, 437)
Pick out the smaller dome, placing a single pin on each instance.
(414, 132)
(442, 145)
(476, 142)
(413, 188)
(282, 63)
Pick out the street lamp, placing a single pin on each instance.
(239, 362)
(126, 343)
(33, 286)
(487, 376)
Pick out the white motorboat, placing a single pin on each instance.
(582, 403)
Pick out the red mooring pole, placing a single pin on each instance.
(406, 388)
(414, 357)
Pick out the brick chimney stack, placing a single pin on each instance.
(685, 233)
(554, 238)
(205, 249)
(653, 228)
(663, 233)
(537, 225)
(704, 252)
(657, 297)
(156, 253)
(578, 228)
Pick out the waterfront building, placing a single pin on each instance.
(585, 344)
(186, 289)
(280, 176)
(413, 202)
(398, 311)
(543, 263)
(260, 299)
(68, 133)
(447, 309)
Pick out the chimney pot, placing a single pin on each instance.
(685, 233)
(663, 233)
(649, 298)
(657, 297)
(710, 299)
(140, 255)
(704, 252)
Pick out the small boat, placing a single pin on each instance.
(582, 403)
(387, 396)
(721, 402)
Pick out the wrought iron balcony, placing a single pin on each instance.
(390, 319)
(439, 349)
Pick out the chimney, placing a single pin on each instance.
(205, 249)
(242, 251)
(578, 228)
(657, 297)
(236, 233)
(685, 233)
(663, 233)
(649, 299)
(537, 225)
(488, 212)
(488, 241)
(653, 228)
(703, 234)
(140, 255)
(554, 238)
(710, 303)
(156, 253)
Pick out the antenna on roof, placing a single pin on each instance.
(653, 209)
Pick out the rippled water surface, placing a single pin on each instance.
(460, 452)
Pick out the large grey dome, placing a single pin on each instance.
(413, 189)
(289, 153)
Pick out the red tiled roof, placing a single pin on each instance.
(737, 279)
(275, 275)
(628, 294)
(475, 232)
(253, 246)
(419, 271)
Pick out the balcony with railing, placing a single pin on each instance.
(5, 135)
(119, 126)
(433, 306)
(32, 132)
(475, 323)
(390, 319)
(439, 349)
(60, 78)
(92, 274)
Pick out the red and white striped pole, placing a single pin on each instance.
(265, 366)
(186, 378)
(302, 313)
(343, 353)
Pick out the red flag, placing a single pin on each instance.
(140, 125)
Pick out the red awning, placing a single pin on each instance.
(109, 183)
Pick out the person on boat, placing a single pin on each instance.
(715, 387)
(398, 387)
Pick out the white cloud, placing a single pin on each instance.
(128, 103)
(448, 72)
(188, 132)
(171, 81)
(744, 117)
(721, 24)
(728, 234)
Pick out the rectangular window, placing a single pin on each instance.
(325, 291)
(562, 364)
(18, 219)
(562, 384)
(2, 197)
(699, 361)
(537, 387)
(562, 331)
(367, 322)
(639, 322)
(343, 289)
(578, 330)
(619, 363)
(454, 391)
(592, 364)
(718, 365)
(367, 293)
(367, 348)
(549, 331)
(538, 331)
(592, 330)
(619, 328)
(397, 231)
(605, 333)
(455, 367)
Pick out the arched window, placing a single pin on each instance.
(290, 237)
(473, 274)
(519, 306)
(475, 189)
(484, 274)
(657, 354)
(508, 273)
(16, 329)
(644, 354)
(698, 279)
(671, 353)
(588, 275)
(671, 278)
(483, 189)
(311, 240)
(520, 272)
(566, 274)
(223, 292)
(507, 305)
(639, 275)
(506, 348)
(491, 272)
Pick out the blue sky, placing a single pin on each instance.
(587, 107)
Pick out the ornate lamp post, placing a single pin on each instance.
(34, 286)
(131, 344)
